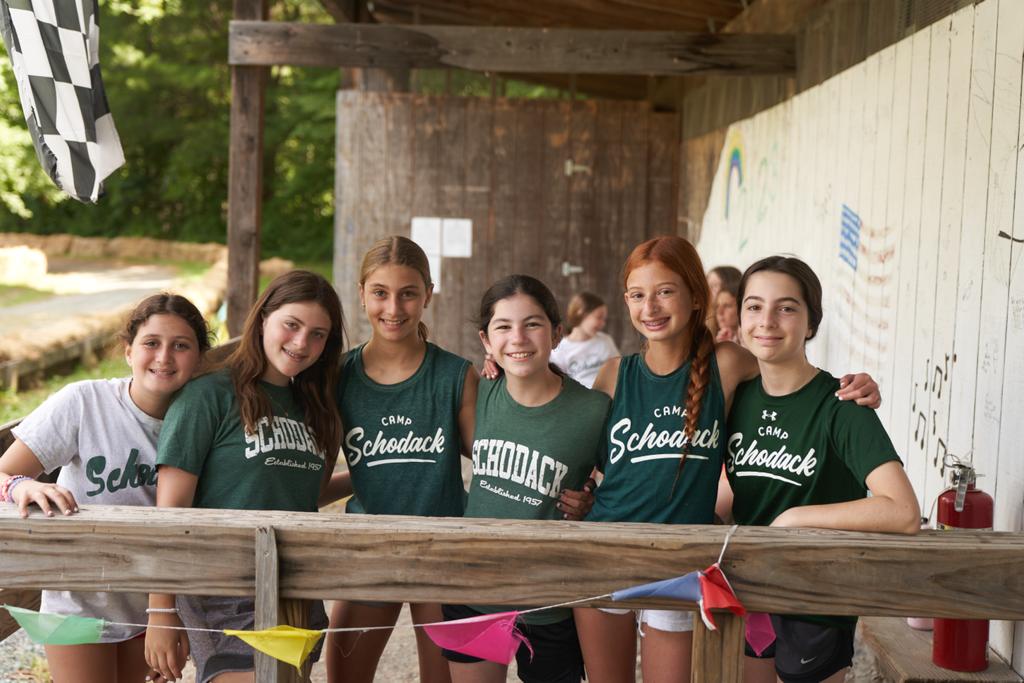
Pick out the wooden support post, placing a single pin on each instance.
(245, 179)
(271, 610)
(267, 599)
(718, 655)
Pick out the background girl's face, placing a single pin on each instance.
(774, 321)
(163, 355)
(294, 336)
(714, 284)
(394, 297)
(660, 304)
(519, 336)
(726, 311)
(595, 321)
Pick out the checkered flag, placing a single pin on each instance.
(54, 47)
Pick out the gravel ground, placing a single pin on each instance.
(20, 658)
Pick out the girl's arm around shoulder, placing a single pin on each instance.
(467, 410)
(608, 377)
(735, 366)
(892, 507)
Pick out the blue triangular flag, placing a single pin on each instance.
(685, 587)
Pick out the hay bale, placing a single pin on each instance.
(89, 247)
(272, 267)
(22, 265)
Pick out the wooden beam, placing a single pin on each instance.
(804, 571)
(253, 43)
(714, 652)
(245, 179)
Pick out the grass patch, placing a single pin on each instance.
(325, 268)
(14, 405)
(12, 295)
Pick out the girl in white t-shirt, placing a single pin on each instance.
(585, 348)
(102, 434)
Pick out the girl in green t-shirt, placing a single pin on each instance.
(799, 457)
(262, 433)
(665, 442)
(537, 433)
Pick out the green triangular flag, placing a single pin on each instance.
(57, 629)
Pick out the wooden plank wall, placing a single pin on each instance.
(921, 145)
(835, 37)
(502, 164)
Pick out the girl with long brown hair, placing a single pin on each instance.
(262, 433)
(665, 443)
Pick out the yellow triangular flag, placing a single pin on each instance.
(286, 643)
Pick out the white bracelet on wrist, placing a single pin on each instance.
(161, 610)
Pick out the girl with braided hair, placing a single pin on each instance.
(665, 443)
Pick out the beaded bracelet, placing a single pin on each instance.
(8, 487)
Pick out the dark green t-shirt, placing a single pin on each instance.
(402, 441)
(278, 468)
(523, 458)
(805, 448)
(644, 444)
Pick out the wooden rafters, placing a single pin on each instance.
(689, 15)
(509, 49)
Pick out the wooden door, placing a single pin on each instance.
(551, 187)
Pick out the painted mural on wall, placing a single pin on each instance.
(901, 182)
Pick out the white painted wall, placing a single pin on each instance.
(923, 144)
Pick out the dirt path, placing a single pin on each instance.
(85, 288)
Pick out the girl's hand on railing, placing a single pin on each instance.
(166, 648)
(575, 505)
(45, 496)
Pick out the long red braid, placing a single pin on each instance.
(681, 257)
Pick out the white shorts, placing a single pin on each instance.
(671, 621)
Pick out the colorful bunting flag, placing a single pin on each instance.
(57, 629)
(493, 637)
(760, 632)
(685, 587)
(286, 643)
(717, 594)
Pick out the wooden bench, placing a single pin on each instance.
(904, 655)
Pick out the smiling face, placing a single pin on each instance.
(660, 304)
(294, 336)
(163, 355)
(774, 319)
(394, 297)
(519, 336)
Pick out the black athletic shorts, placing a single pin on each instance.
(805, 652)
(557, 657)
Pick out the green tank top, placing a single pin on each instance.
(644, 443)
(402, 441)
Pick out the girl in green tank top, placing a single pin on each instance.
(407, 411)
(665, 442)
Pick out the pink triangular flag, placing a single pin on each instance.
(760, 632)
(493, 637)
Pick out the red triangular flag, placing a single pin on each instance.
(716, 593)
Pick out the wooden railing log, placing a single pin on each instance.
(802, 571)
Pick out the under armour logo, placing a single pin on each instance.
(765, 415)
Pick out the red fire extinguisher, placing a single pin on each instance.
(962, 644)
